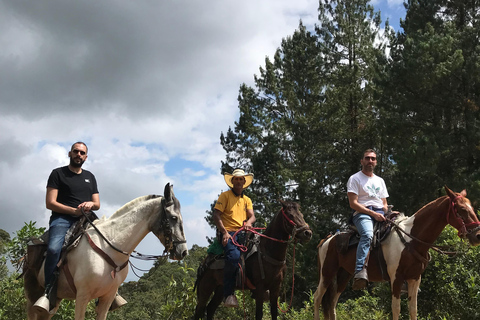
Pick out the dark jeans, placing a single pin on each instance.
(232, 258)
(58, 227)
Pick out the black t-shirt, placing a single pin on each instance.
(73, 189)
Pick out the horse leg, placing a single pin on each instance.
(81, 302)
(395, 287)
(259, 304)
(103, 306)
(318, 297)
(413, 286)
(214, 302)
(336, 289)
(273, 304)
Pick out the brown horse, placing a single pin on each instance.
(404, 254)
(266, 271)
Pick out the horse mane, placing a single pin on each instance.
(129, 205)
(431, 203)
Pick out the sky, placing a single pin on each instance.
(148, 85)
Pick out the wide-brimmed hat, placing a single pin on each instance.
(238, 173)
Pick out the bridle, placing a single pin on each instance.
(286, 222)
(166, 227)
(292, 236)
(464, 227)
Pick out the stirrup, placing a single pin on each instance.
(43, 305)
(118, 302)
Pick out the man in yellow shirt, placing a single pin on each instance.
(232, 209)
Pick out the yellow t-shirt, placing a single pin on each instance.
(234, 209)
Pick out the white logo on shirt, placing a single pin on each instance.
(87, 180)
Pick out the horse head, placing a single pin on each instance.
(462, 217)
(294, 223)
(170, 227)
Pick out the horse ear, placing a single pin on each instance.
(284, 204)
(464, 193)
(167, 193)
(449, 192)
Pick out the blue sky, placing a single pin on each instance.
(149, 86)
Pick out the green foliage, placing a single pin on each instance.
(452, 281)
(12, 299)
(17, 247)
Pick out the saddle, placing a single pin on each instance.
(37, 246)
(350, 237)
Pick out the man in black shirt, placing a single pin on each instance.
(70, 190)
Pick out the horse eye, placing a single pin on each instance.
(174, 218)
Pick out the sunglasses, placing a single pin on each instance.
(78, 151)
(371, 158)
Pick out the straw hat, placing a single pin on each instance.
(238, 173)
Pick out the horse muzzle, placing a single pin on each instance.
(303, 234)
(179, 250)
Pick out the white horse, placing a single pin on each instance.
(96, 275)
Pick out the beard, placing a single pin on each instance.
(76, 162)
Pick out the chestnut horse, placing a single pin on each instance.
(405, 254)
(266, 271)
(92, 274)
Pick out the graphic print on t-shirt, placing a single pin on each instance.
(373, 191)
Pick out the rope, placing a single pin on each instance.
(293, 284)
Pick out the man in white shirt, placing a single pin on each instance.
(367, 196)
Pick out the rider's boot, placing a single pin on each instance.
(360, 279)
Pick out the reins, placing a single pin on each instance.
(101, 234)
(164, 224)
(430, 245)
(461, 232)
(253, 230)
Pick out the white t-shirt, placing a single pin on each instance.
(370, 190)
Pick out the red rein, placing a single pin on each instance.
(254, 230)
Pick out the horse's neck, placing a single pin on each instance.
(429, 222)
(276, 230)
(128, 226)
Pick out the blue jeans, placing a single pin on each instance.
(232, 258)
(58, 227)
(364, 224)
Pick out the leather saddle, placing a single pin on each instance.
(350, 237)
(37, 246)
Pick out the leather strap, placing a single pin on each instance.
(106, 257)
(69, 277)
